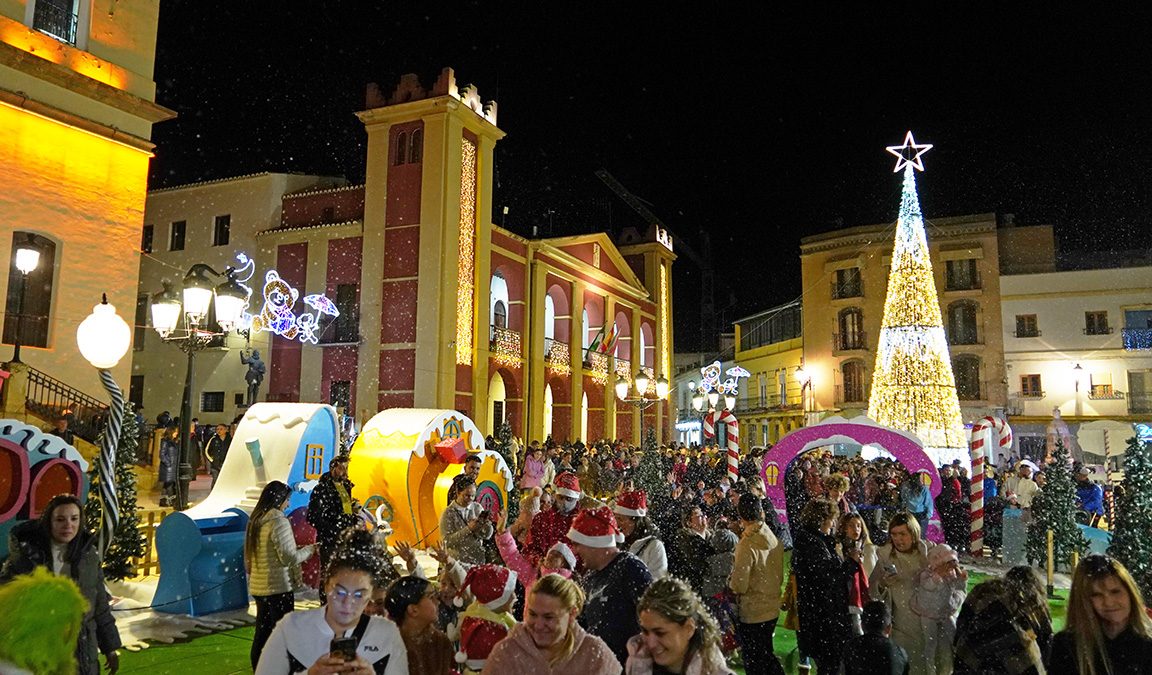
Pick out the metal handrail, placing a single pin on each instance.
(55, 21)
(48, 398)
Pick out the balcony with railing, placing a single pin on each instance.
(504, 343)
(1027, 332)
(623, 368)
(847, 289)
(557, 358)
(844, 341)
(963, 282)
(1099, 330)
(596, 363)
(972, 391)
(55, 19)
(1137, 339)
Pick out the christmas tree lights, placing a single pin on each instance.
(913, 388)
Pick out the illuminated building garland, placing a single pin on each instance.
(466, 270)
(559, 359)
(624, 368)
(598, 364)
(913, 388)
(506, 347)
(665, 320)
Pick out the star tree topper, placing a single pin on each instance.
(909, 153)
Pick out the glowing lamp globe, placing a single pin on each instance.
(730, 401)
(698, 401)
(27, 259)
(662, 387)
(641, 383)
(103, 337)
(713, 398)
(621, 388)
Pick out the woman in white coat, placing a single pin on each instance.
(641, 536)
(894, 579)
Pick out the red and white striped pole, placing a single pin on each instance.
(979, 430)
(733, 444)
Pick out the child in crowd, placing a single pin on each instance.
(720, 599)
(939, 593)
(488, 619)
(852, 535)
(559, 559)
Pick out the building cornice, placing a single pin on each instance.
(866, 234)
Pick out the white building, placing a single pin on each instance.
(1080, 343)
(208, 222)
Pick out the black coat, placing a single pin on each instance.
(169, 461)
(689, 562)
(821, 594)
(30, 547)
(326, 512)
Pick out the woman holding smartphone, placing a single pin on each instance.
(893, 580)
(339, 637)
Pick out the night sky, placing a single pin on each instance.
(757, 124)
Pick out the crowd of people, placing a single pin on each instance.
(602, 571)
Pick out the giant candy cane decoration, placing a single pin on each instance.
(728, 419)
(979, 431)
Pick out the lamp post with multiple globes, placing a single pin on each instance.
(641, 400)
(197, 296)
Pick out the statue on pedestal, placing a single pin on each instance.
(255, 374)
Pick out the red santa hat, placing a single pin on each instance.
(491, 585)
(595, 528)
(566, 553)
(477, 638)
(568, 484)
(634, 503)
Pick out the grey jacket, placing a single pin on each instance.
(465, 545)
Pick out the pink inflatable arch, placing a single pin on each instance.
(905, 447)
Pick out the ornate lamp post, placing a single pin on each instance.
(641, 401)
(103, 339)
(193, 303)
(27, 260)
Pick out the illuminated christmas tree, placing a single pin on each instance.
(913, 388)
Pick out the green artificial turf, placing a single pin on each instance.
(227, 651)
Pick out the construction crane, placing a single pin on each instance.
(702, 260)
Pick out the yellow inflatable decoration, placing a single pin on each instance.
(406, 458)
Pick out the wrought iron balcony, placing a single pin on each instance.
(1099, 330)
(55, 20)
(1137, 338)
(853, 395)
(557, 358)
(1027, 333)
(623, 368)
(963, 283)
(844, 341)
(1104, 392)
(850, 289)
(504, 344)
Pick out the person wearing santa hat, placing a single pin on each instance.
(487, 620)
(615, 581)
(552, 525)
(559, 560)
(641, 536)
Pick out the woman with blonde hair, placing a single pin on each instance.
(549, 641)
(678, 633)
(894, 579)
(1107, 630)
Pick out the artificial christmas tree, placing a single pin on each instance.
(650, 475)
(127, 542)
(504, 447)
(1054, 508)
(1131, 544)
(913, 388)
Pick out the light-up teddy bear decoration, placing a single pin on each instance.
(277, 315)
(711, 379)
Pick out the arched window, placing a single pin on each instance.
(586, 338)
(401, 149)
(966, 369)
(850, 323)
(853, 374)
(498, 298)
(962, 323)
(549, 318)
(416, 147)
(29, 301)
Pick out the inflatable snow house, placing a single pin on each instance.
(404, 461)
(201, 550)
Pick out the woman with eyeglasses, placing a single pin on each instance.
(339, 637)
(272, 561)
(413, 604)
(1107, 631)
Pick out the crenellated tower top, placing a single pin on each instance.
(410, 89)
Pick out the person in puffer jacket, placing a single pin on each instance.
(272, 561)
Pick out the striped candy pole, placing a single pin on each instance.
(733, 444)
(709, 425)
(976, 506)
(109, 500)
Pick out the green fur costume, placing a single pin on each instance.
(40, 618)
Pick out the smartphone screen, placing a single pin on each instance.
(344, 647)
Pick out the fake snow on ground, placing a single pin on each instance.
(140, 625)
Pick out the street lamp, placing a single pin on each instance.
(27, 260)
(641, 401)
(198, 292)
(103, 339)
(1078, 377)
(805, 379)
